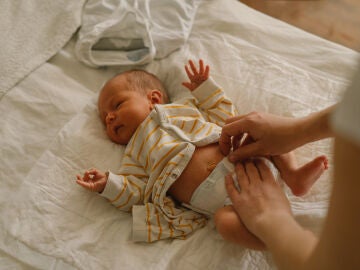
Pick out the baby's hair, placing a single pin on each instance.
(142, 81)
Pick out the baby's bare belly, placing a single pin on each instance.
(203, 161)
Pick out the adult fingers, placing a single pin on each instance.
(241, 175)
(230, 187)
(252, 172)
(235, 118)
(248, 139)
(225, 144)
(244, 152)
(236, 140)
(264, 170)
(235, 127)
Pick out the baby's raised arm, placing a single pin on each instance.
(196, 76)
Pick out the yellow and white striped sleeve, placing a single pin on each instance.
(126, 189)
(157, 226)
(213, 103)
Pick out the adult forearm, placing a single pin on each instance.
(315, 126)
(289, 243)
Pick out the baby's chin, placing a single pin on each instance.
(120, 140)
(121, 135)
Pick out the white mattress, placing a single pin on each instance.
(50, 131)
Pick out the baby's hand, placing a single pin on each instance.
(92, 180)
(196, 77)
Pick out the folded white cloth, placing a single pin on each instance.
(133, 32)
(31, 32)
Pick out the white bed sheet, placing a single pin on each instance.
(50, 131)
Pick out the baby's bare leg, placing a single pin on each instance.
(299, 179)
(230, 227)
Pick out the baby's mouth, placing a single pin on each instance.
(117, 128)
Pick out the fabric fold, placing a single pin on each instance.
(31, 33)
(133, 32)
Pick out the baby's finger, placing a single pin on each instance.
(187, 85)
(193, 68)
(207, 70)
(83, 184)
(188, 72)
(201, 66)
(86, 176)
(93, 172)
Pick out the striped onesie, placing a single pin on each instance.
(155, 157)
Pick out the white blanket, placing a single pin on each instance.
(133, 32)
(50, 131)
(31, 32)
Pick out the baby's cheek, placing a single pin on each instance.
(110, 134)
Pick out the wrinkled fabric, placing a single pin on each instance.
(50, 131)
(133, 32)
(31, 32)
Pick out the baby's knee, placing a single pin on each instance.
(224, 219)
(227, 223)
(230, 227)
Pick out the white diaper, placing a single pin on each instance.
(211, 194)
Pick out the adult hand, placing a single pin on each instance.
(270, 135)
(261, 202)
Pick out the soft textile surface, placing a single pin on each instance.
(31, 32)
(133, 32)
(50, 131)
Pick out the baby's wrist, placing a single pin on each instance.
(106, 179)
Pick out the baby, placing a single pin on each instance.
(172, 174)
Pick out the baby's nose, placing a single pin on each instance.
(109, 117)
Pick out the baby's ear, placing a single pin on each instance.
(155, 96)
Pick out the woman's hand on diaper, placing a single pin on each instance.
(260, 202)
(93, 180)
(270, 135)
(196, 76)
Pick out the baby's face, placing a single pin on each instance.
(122, 110)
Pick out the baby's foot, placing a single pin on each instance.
(301, 180)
